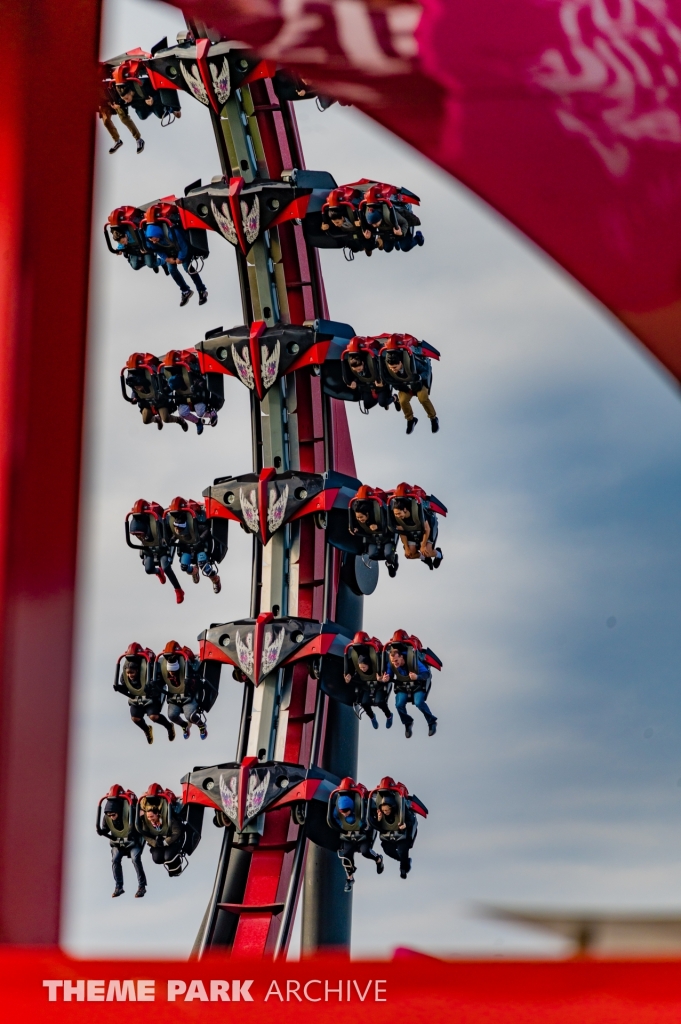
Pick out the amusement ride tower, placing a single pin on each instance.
(298, 733)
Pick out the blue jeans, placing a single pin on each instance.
(190, 710)
(419, 702)
(135, 853)
(177, 277)
(201, 560)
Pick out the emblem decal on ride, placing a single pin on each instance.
(251, 221)
(269, 366)
(625, 86)
(271, 649)
(255, 796)
(229, 797)
(249, 508)
(221, 82)
(243, 366)
(244, 652)
(196, 86)
(223, 219)
(277, 508)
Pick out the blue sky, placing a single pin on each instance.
(555, 776)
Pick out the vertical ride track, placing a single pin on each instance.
(287, 717)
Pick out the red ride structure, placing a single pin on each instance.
(287, 723)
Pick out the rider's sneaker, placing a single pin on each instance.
(186, 296)
(411, 424)
(114, 149)
(140, 145)
(203, 297)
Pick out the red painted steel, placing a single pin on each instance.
(45, 200)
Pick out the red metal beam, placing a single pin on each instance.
(46, 169)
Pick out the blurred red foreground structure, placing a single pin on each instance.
(565, 115)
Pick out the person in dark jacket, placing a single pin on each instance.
(388, 225)
(355, 841)
(149, 703)
(131, 846)
(178, 239)
(408, 389)
(369, 694)
(156, 557)
(396, 843)
(409, 685)
(165, 847)
(110, 105)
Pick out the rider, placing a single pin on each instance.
(418, 540)
(396, 843)
(145, 696)
(145, 524)
(387, 223)
(356, 836)
(339, 212)
(111, 103)
(165, 844)
(178, 239)
(182, 681)
(410, 684)
(369, 691)
(183, 376)
(408, 388)
(190, 532)
(149, 393)
(122, 844)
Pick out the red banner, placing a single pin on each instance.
(49, 988)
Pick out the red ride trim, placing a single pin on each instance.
(317, 645)
(305, 790)
(314, 356)
(258, 632)
(210, 365)
(244, 772)
(202, 48)
(235, 186)
(296, 210)
(265, 475)
(265, 69)
(191, 794)
(214, 510)
(208, 651)
(258, 327)
(190, 220)
(320, 503)
(160, 81)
